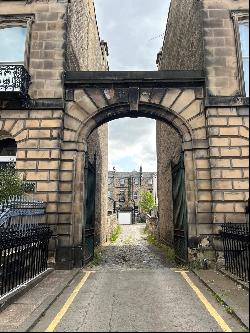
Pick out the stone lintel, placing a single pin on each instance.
(140, 79)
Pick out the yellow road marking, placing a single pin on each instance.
(67, 304)
(208, 306)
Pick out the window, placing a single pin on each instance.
(122, 181)
(136, 181)
(135, 196)
(241, 25)
(150, 181)
(109, 181)
(244, 43)
(8, 150)
(122, 196)
(13, 41)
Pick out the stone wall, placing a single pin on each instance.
(97, 144)
(38, 151)
(83, 40)
(221, 162)
(220, 47)
(112, 222)
(45, 153)
(183, 42)
(46, 42)
(228, 130)
(85, 52)
(169, 146)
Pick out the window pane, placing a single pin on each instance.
(244, 38)
(8, 147)
(12, 44)
(246, 75)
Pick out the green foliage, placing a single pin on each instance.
(116, 233)
(11, 183)
(147, 202)
(167, 250)
(96, 259)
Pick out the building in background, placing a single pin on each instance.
(124, 189)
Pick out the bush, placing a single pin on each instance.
(147, 202)
(11, 183)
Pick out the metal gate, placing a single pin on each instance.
(180, 212)
(90, 193)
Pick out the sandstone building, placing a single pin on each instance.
(40, 41)
(124, 188)
(57, 96)
(213, 37)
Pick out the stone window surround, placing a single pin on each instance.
(237, 16)
(20, 20)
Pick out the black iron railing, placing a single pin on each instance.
(23, 254)
(18, 210)
(14, 81)
(236, 249)
(23, 242)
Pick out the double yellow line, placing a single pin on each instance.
(197, 291)
(67, 304)
(208, 306)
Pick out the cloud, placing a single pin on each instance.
(134, 31)
(131, 28)
(132, 143)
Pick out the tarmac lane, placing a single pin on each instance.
(134, 301)
(134, 290)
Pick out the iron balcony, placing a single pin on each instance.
(14, 82)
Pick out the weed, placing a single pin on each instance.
(116, 233)
(96, 258)
(128, 240)
(167, 250)
(229, 310)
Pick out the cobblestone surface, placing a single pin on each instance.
(131, 251)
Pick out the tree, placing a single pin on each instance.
(147, 202)
(11, 183)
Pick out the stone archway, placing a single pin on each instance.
(93, 102)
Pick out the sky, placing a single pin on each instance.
(134, 31)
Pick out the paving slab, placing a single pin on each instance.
(23, 313)
(230, 292)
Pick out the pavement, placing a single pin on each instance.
(133, 289)
(233, 294)
(28, 308)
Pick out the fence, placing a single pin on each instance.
(23, 242)
(18, 210)
(236, 249)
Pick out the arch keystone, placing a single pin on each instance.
(85, 102)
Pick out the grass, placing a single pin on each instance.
(128, 240)
(167, 250)
(96, 258)
(116, 233)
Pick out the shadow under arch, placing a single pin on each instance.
(122, 110)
